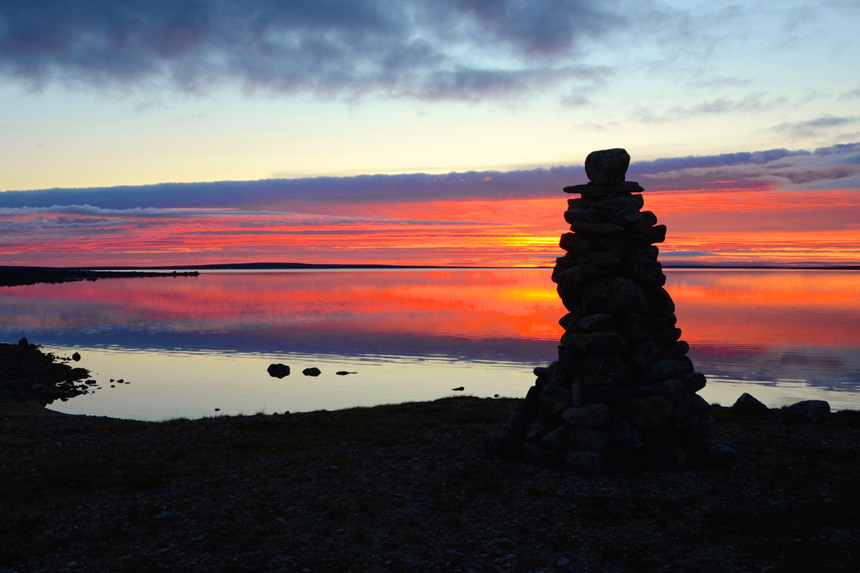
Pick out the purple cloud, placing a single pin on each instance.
(816, 126)
(267, 192)
(837, 166)
(831, 167)
(853, 94)
(750, 103)
(450, 49)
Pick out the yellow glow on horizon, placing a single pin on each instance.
(529, 241)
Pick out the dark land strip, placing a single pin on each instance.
(19, 276)
(410, 487)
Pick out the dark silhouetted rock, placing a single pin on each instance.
(613, 295)
(593, 415)
(557, 439)
(278, 370)
(748, 405)
(596, 342)
(622, 394)
(607, 167)
(76, 357)
(605, 369)
(626, 434)
(593, 190)
(648, 414)
(312, 371)
(722, 454)
(28, 374)
(536, 430)
(589, 463)
(588, 439)
(662, 370)
(808, 411)
(553, 401)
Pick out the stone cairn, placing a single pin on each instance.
(622, 395)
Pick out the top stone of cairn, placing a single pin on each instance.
(607, 166)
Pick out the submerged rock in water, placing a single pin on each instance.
(278, 370)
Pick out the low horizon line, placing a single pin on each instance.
(323, 266)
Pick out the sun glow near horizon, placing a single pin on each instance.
(764, 227)
(421, 133)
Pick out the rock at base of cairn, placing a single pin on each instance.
(622, 395)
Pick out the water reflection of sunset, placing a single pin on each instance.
(764, 308)
(470, 303)
(768, 308)
(486, 328)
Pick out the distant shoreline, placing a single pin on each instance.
(23, 276)
(346, 266)
(27, 275)
(168, 269)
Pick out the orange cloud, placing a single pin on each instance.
(741, 227)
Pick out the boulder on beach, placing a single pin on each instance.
(808, 411)
(312, 371)
(747, 405)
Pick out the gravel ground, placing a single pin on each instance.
(410, 487)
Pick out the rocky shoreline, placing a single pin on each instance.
(29, 375)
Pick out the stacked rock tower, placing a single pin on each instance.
(622, 395)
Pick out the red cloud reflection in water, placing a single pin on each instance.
(471, 303)
(768, 308)
(714, 308)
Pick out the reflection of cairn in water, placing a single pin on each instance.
(622, 395)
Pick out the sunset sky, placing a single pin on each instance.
(150, 132)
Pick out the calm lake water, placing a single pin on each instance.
(194, 347)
